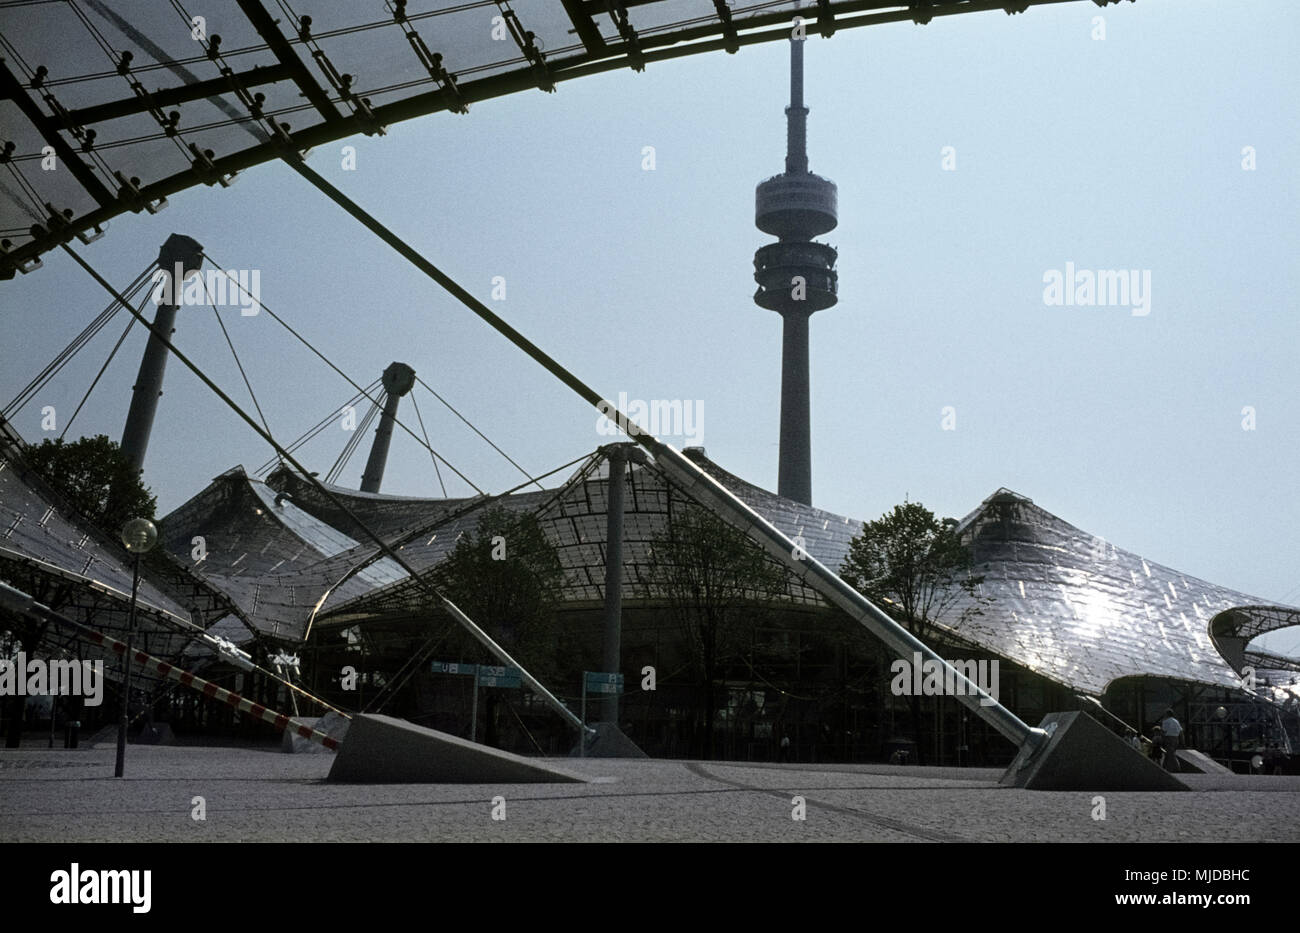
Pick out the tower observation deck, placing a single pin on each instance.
(796, 276)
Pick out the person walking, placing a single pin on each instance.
(1157, 747)
(1173, 733)
(785, 748)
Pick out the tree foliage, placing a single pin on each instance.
(95, 477)
(913, 565)
(505, 575)
(715, 580)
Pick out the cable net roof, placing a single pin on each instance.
(295, 558)
(51, 553)
(573, 518)
(1061, 602)
(1075, 608)
(1232, 632)
(110, 107)
(275, 561)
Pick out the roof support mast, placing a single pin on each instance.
(178, 258)
(398, 380)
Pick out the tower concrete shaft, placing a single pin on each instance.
(794, 474)
(796, 277)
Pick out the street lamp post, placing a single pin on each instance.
(139, 535)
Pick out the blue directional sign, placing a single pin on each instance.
(488, 676)
(499, 676)
(596, 682)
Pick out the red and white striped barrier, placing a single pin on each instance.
(209, 689)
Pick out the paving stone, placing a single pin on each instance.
(255, 795)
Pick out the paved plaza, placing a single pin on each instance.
(262, 795)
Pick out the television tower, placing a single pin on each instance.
(795, 277)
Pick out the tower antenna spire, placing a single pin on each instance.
(796, 115)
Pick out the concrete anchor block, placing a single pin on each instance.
(384, 750)
(609, 742)
(1083, 755)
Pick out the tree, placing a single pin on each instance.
(916, 568)
(95, 477)
(505, 575)
(713, 578)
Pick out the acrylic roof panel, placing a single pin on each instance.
(575, 523)
(34, 527)
(387, 516)
(422, 530)
(574, 520)
(239, 535)
(825, 535)
(324, 70)
(282, 605)
(286, 554)
(277, 562)
(51, 553)
(1232, 632)
(426, 530)
(429, 530)
(326, 539)
(1075, 608)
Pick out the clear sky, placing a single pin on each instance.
(1124, 153)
